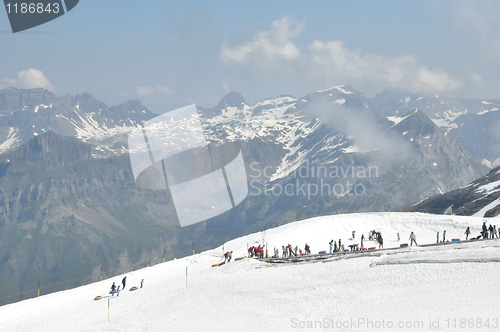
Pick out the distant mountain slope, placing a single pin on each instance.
(481, 198)
(474, 122)
(26, 113)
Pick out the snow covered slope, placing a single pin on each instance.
(414, 289)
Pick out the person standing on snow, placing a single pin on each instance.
(495, 234)
(353, 234)
(444, 235)
(362, 240)
(142, 281)
(380, 241)
(123, 282)
(437, 237)
(467, 233)
(485, 230)
(335, 248)
(113, 289)
(399, 238)
(490, 229)
(413, 239)
(331, 246)
(307, 249)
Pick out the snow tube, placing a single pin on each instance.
(402, 245)
(341, 250)
(364, 249)
(322, 252)
(220, 264)
(214, 265)
(240, 258)
(372, 248)
(302, 254)
(455, 240)
(98, 298)
(347, 250)
(134, 288)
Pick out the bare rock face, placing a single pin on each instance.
(479, 198)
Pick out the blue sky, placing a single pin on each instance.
(169, 54)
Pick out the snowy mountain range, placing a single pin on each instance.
(69, 204)
(27, 113)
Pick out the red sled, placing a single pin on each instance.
(322, 252)
(134, 288)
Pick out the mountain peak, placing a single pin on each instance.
(232, 99)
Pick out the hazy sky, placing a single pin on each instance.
(169, 54)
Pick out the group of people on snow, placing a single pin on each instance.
(257, 252)
(373, 235)
(116, 289)
(489, 232)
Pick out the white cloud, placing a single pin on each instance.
(149, 91)
(30, 79)
(273, 45)
(332, 62)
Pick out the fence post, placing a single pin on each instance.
(38, 288)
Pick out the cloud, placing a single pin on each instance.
(30, 79)
(149, 91)
(332, 62)
(273, 45)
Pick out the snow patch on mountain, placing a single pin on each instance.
(11, 141)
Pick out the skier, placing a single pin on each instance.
(444, 235)
(467, 233)
(413, 238)
(113, 289)
(437, 237)
(142, 281)
(123, 282)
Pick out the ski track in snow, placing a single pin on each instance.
(418, 284)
